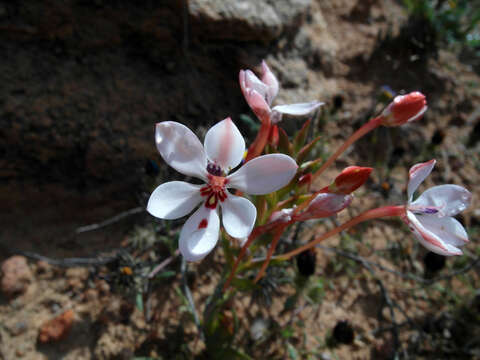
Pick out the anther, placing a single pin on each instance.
(214, 169)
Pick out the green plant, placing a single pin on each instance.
(455, 21)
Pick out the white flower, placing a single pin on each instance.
(222, 151)
(430, 215)
(260, 94)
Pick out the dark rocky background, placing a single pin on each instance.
(82, 83)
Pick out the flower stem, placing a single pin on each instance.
(385, 211)
(259, 230)
(366, 128)
(240, 256)
(271, 249)
(261, 140)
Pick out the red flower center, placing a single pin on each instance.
(214, 191)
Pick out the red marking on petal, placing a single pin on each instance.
(214, 191)
(426, 235)
(212, 201)
(418, 167)
(222, 196)
(203, 224)
(206, 190)
(226, 141)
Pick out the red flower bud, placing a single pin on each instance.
(404, 108)
(305, 180)
(349, 180)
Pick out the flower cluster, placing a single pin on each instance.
(284, 192)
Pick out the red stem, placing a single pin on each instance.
(255, 233)
(366, 128)
(261, 140)
(271, 249)
(385, 211)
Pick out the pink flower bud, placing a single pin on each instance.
(349, 180)
(324, 205)
(404, 108)
(269, 79)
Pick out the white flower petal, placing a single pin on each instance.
(241, 80)
(181, 149)
(258, 104)
(298, 109)
(252, 82)
(238, 216)
(264, 174)
(199, 235)
(448, 199)
(174, 199)
(271, 81)
(446, 228)
(224, 144)
(430, 240)
(417, 174)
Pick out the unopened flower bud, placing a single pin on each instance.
(269, 79)
(324, 205)
(305, 180)
(404, 108)
(349, 180)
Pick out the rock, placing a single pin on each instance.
(245, 20)
(292, 73)
(57, 328)
(16, 276)
(258, 329)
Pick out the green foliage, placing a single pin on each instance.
(316, 293)
(252, 124)
(453, 20)
(292, 352)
